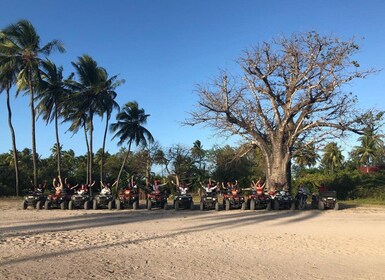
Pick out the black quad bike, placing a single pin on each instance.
(300, 199)
(233, 200)
(258, 200)
(209, 201)
(184, 201)
(156, 199)
(128, 198)
(57, 201)
(103, 201)
(282, 200)
(34, 199)
(80, 201)
(325, 200)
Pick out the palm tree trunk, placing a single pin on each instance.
(122, 167)
(34, 155)
(88, 153)
(15, 155)
(58, 149)
(103, 148)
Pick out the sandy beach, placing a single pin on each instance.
(159, 244)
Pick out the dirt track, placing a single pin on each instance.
(158, 244)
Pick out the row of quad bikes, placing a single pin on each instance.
(129, 199)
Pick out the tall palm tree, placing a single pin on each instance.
(51, 95)
(108, 105)
(24, 48)
(129, 128)
(332, 157)
(8, 77)
(88, 98)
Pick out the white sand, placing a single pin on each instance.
(158, 244)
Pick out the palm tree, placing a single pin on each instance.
(7, 79)
(24, 49)
(51, 93)
(370, 148)
(129, 128)
(109, 104)
(87, 99)
(332, 157)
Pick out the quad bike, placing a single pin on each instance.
(103, 201)
(156, 199)
(233, 199)
(184, 201)
(80, 201)
(209, 201)
(325, 200)
(58, 200)
(35, 199)
(282, 200)
(128, 198)
(300, 199)
(258, 200)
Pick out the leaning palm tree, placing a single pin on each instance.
(51, 95)
(129, 129)
(25, 50)
(8, 72)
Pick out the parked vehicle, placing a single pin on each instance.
(128, 198)
(34, 199)
(258, 199)
(184, 201)
(80, 201)
(156, 199)
(301, 198)
(325, 200)
(58, 200)
(233, 200)
(103, 201)
(209, 201)
(282, 200)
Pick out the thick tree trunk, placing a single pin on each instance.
(58, 148)
(14, 149)
(34, 154)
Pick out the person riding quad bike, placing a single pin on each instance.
(258, 199)
(182, 199)
(209, 198)
(104, 199)
(232, 197)
(157, 197)
(128, 197)
(82, 198)
(35, 197)
(60, 198)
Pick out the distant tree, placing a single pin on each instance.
(290, 91)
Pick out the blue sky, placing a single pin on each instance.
(163, 49)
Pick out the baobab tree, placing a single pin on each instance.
(290, 90)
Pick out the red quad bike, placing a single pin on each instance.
(156, 199)
(259, 200)
(282, 200)
(128, 198)
(57, 201)
(34, 199)
(234, 200)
